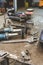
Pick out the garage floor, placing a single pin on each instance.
(35, 51)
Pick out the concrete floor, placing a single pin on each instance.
(38, 18)
(1, 21)
(36, 54)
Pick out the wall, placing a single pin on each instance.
(36, 0)
(20, 3)
(2, 0)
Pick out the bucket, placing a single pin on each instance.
(26, 4)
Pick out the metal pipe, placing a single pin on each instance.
(10, 34)
(10, 30)
(7, 35)
(15, 5)
(16, 30)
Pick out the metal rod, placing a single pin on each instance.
(29, 40)
(14, 41)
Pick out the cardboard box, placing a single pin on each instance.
(0, 10)
(3, 10)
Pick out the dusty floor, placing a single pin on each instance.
(36, 54)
